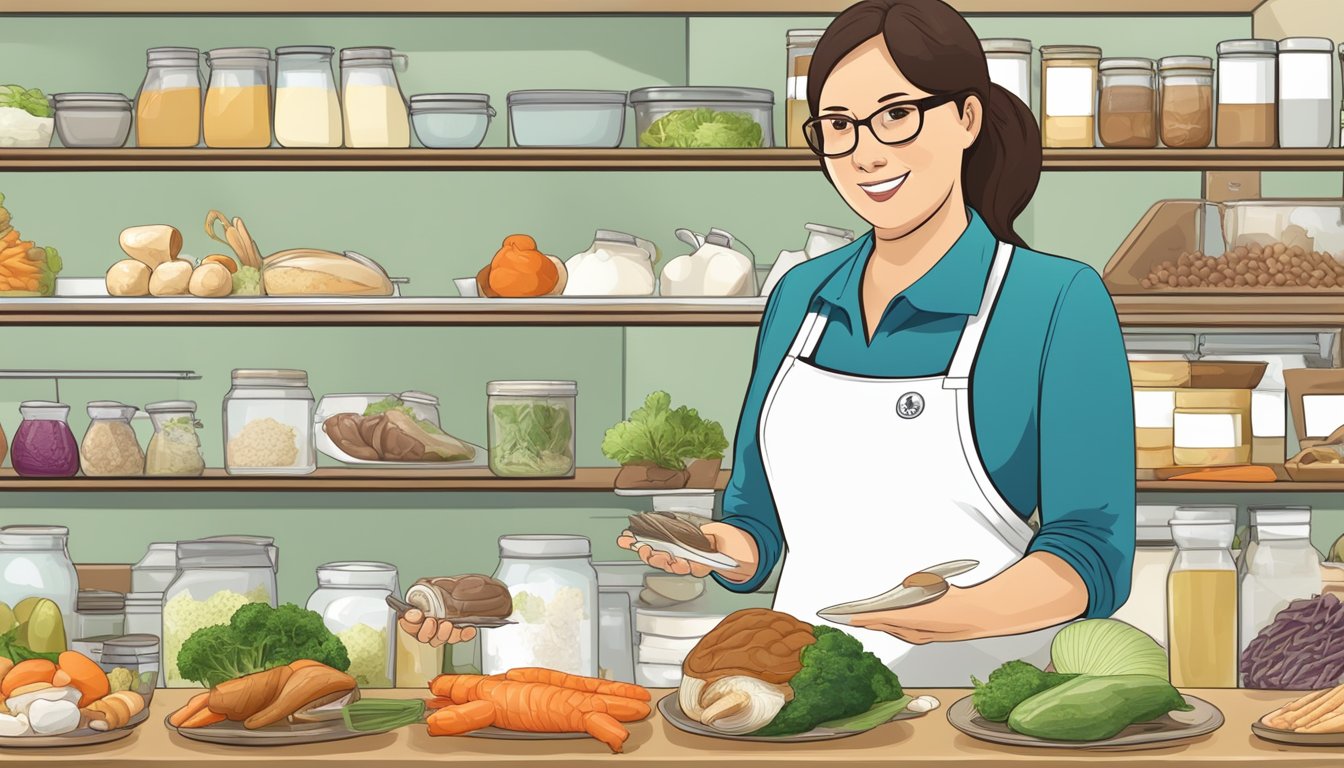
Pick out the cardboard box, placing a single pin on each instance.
(1211, 437)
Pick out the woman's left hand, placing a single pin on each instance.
(943, 620)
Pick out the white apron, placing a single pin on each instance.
(875, 479)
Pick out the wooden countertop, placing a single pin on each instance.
(927, 741)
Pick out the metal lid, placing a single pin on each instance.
(111, 98)
(800, 38)
(701, 93)
(359, 574)
(1247, 48)
(1185, 62)
(305, 50)
(216, 54)
(367, 53)
(1146, 65)
(109, 409)
(221, 554)
(1006, 45)
(1306, 44)
(130, 643)
(34, 530)
(479, 99)
(172, 53)
(282, 377)
(422, 398)
(533, 388)
(87, 600)
(565, 97)
(1070, 52)
(545, 545)
(164, 406)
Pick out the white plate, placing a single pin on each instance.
(713, 560)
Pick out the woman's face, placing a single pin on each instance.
(895, 188)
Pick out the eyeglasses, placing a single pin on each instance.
(894, 124)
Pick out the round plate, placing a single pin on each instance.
(282, 734)
(1164, 732)
(81, 738)
(1297, 739)
(670, 709)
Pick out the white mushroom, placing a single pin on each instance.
(49, 718)
(923, 704)
(210, 281)
(20, 705)
(170, 278)
(13, 725)
(735, 705)
(128, 277)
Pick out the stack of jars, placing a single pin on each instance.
(44, 445)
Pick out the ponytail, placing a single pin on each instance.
(1003, 167)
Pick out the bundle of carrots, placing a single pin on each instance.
(1317, 712)
(538, 701)
(26, 269)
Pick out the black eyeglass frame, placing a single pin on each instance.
(921, 106)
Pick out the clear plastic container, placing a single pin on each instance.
(1009, 60)
(1127, 110)
(1306, 92)
(352, 598)
(1311, 226)
(86, 120)
(238, 99)
(168, 104)
(555, 597)
(131, 663)
(307, 107)
(451, 120)
(268, 423)
(1247, 93)
(144, 616)
(1202, 605)
(566, 118)
(376, 116)
(670, 116)
(1069, 95)
(35, 561)
(43, 445)
(1187, 101)
(1281, 566)
(799, 45)
(175, 447)
(99, 612)
(157, 569)
(531, 426)
(214, 579)
(110, 447)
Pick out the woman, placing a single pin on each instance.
(917, 394)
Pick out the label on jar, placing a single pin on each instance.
(1305, 76)
(1269, 413)
(1323, 414)
(1009, 73)
(1245, 81)
(1207, 430)
(1153, 408)
(1070, 91)
(796, 87)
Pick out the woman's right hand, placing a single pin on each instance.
(728, 540)
(432, 631)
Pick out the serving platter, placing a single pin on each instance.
(1297, 739)
(234, 734)
(1168, 730)
(671, 710)
(81, 738)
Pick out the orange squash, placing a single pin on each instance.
(519, 270)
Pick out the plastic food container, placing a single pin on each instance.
(451, 120)
(587, 119)
(704, 118)
(92, 119)
(132, 664)
(532, 428)
(1313, 225)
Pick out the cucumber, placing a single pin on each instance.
(1090, 708)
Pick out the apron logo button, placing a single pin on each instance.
(910, 405)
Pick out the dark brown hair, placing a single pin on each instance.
(938, 51)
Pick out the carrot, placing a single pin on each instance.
(460, 688)
(11, 237)
(577, 682)
(21, 247)
(195, 706)
(27, 673)
(202, 719)
(1242, 474)
(1332, 724)
(461, 718)
(86, 676)
(1322, 707)
(549, 709)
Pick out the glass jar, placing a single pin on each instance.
(156, 569)
(238, 99)
(532, 428)
(168, 105)
(307, 108)
(1009, 60)
(144, 616)
(1127, 110)
(1069, 95)
(352, 598)
(376, 115)
(1281, 567)
(99, 612)
(1306, 92)
(214, 579)
(131, 663)
(1187, 101)
(1202, 605)
(35, 563)
(1341, 108)
(87, 120)
(110, 447)
(44, 446)
(800, 44)
(451, 120)
(268, 423)
(265, 542)
(1247, 93)
(175, 448)
(554, 588)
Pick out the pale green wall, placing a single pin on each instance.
(433, 227)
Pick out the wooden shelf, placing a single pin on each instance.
(620, 7)
(1224, 310)
(1281, 486)
(587, 480)
(624, 159)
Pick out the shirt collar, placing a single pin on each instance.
(954, 286)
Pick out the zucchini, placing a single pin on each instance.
(1089, 708)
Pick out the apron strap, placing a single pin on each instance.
(959, 373)
(809, 335)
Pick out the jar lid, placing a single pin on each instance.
(43, 404)
(144, 600)
(305, 50)
(545, 545)
(1006, 45)
(1306, 44)
(1279, 515)
(701, 93)
(1251, 47)
(166, 406)
(367, 53)
(109, 98)
(172, 53)
(1146, 65)
(797, 36)
(261, 377)
(355, 573)
(420, 398)
(481, 99)
(110, 409)
(131, 643)
(215, 54)
(534, 388)
(1185, 62)
(1070, 52)
(99, 600)
(565, 97)
(221, 554)
(1205, 513)
(1203, 534)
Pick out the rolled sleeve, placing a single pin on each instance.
(1086, 427)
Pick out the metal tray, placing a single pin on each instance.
(1168, 730)
(83, 737)
(1297, 739)
(233, 734)
(670, 709)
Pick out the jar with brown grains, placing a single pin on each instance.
(1127, 111)
(1187, 101)
(1276, 266)
(1248, 113)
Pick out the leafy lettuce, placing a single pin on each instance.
(30, 100)
(394, 403)
(659, 434)
(703, 129)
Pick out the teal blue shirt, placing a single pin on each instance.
(1050, 394)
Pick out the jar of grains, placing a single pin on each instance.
(175, 448)
(1127, 111)
(1247, 93)
(110, 447)
(1187, 101)
(268, 424)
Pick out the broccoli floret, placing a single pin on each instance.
(838, 679)
(1010, 685)
(259, 637)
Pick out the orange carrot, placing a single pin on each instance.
(27, 673)
(461, 718)
(85, 675)
(1238, 474)
(192, 707)
(21, 247)
(203, 718)
(578, 682)
(11, 237)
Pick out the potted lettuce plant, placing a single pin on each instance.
(661, 448)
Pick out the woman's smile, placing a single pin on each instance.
(882, 191)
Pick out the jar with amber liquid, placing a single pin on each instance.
(1186, 114)
(238, 100)
(1069, 95)
(801, 44)
(168, 105)
(1127, 110)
